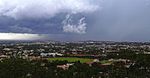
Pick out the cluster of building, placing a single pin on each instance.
(79, 49)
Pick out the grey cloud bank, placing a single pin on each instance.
(47, 9)
(20, 9)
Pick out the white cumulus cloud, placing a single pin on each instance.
(80, 27)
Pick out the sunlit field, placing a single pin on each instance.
(71, 59)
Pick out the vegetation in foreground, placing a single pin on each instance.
(22, 68)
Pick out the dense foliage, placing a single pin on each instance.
(21, 68)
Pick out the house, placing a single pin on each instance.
(50, 54)
(64, 66)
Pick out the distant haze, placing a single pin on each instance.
(18, 36)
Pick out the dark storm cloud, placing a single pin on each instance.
(47, 9)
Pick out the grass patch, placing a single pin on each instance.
(71, 59)
(106, 62)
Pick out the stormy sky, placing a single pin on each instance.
(115, 20)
